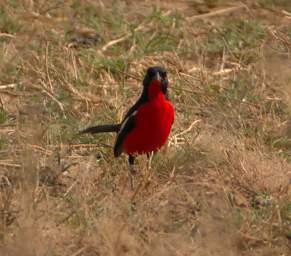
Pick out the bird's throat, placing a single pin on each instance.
(155, 90)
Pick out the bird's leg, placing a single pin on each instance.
(131, 170)
(131, 159)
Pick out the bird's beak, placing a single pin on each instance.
(158, 77)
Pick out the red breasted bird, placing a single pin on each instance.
(147, 124)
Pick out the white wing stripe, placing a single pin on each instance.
(125, 121)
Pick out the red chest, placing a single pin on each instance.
(153, 124)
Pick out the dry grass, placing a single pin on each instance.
(221, 187)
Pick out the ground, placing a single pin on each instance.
(221, 185)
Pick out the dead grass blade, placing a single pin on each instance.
(219, 12)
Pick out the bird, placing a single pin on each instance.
(147, 124)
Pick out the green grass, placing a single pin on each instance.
(8, 22)
(275, 4)
(239, 37)
(3, 116)
(3, 143)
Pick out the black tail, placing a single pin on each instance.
(102, 128)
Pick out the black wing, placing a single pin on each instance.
(126, 126)
(128, 123)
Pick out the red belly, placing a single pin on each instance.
(152, 127)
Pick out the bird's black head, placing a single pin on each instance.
(158, 74)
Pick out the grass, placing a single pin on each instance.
(3, 116)
(235, 35)
(274, 5)
(222, 184)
